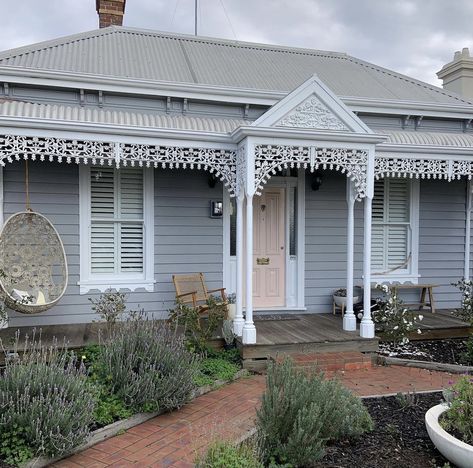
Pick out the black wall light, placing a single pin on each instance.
(316, 182)
(212, 181)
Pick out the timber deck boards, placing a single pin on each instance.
(324, 333)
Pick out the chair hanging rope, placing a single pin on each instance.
(33, 261)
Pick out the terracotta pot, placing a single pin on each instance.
(453, 449)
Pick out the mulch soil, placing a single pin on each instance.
(399, 440)
(447, 351)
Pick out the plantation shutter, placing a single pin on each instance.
(390, 225)
(117, 220)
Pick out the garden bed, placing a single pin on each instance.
(447, 351)
(399, 439)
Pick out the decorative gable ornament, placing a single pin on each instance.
(311, 113)
(312, 106)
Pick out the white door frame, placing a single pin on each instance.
(295, 267)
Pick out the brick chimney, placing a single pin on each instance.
(457, 76)
(110, 12)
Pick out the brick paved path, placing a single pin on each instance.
(228, 413)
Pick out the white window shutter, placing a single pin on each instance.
(117, 225)
(390, 229)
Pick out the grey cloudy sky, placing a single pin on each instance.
(415, 37)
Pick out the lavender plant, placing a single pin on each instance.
(465, 312)
(394, 319)
(45, 401)
(147, 365)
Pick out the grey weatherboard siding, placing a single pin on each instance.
(186, 239)
(441, 240)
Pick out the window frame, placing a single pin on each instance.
(411, 273)
(129, 281)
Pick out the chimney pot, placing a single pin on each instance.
(466, 52)
(457, 55)
(110, 12)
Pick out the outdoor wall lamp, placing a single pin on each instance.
(316, 181)
(216, 208)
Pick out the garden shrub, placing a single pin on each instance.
(147, 366)
(198, 330)
(300, 413)
(227, 455)
(395, 320)
(467, 356)
(46, 403)
(459, 417)
(110, 306)
(465, 313)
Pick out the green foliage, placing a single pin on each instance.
(45, 395)
(226, 455)
(198, 330)
(459, 416)
(230, 355)
(110, 306)
(3, 309)
(146, 366)
(212, 369)
(465, 313)
(14, 448)
(395, 320)
(300, 413)
(407, 400)
(467, 356)
(109, 407)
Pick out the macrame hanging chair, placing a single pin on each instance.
(32, 260)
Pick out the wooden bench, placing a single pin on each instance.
(424, 288)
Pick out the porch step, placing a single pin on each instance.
(343, 361)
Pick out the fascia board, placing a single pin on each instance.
(277, 133)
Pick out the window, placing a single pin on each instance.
(116, 228)
(394, 228)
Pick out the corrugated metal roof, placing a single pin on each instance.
(458, 140)
(147, 55)
(76, 114)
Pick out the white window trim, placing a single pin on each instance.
(411, 274)
(88, 281)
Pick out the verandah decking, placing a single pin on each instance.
(323, 333)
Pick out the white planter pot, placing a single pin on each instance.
(342, 300)
(231, 311)
(450, 447)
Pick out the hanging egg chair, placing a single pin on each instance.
(33, 262)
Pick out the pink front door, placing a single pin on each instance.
(269, 249)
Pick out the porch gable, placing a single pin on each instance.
(312, 106)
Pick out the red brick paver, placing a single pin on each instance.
(174, 439)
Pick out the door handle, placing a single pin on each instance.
(262, 261)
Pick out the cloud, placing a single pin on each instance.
(411, 37)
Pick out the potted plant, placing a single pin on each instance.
(450, 424)
(228, 334)
(231, 306)
(340, 296)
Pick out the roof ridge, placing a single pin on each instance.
(42, 45)
(407, 78)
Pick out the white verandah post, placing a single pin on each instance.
(367, 325)
(469, 187)
(249, 329)
(238, 322)
(349, 319)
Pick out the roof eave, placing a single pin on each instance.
(214, 93)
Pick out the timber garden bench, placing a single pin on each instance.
(425, 289)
